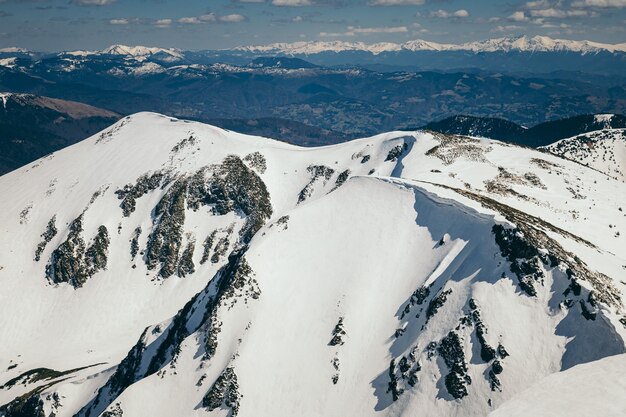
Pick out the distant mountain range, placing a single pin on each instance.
(538, 54)
(349, 99)
(518, 44)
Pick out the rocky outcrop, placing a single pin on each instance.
(224, 393)
(317, 172)
(451, 351)
(47, 235)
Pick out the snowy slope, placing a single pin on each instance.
(188, 270)
(568, 393)
(603, 150)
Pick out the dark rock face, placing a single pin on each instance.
(436, 303)
(167, 235)
(224, 393)
(317, 172)
(66, 262)
(338, 334)
(403, 373)
(417, 298)
(396, 152)
(451, 350)
(115, 411)
(524, 258)
(257, 161)
(25, 406)
(186, 265)
(96, 255)
(74, 264)
(228, 187)
(341, 179)
(130, 193)
(207, 246)
(51, 231)
(134, 243)
(487, 353)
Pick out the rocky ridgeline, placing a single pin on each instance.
(232, 283)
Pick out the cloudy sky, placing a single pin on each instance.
(52, 25)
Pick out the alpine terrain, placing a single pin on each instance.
(170, 268)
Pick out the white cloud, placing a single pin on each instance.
(292, 3)
(93, 2)
(394, 29)
(558, 13)
(353, 31)
(209, 17)
(119, 22)
(162, 23)
(518, 16)
(212, 18)
(506, 28)
(232, 18)
(396, 2)
(600, 3)
(189, 20)
(539, 4)
(444, 14)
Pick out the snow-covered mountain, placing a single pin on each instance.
(517, 44)
(604, 150)
(169, 268)
(135, 52)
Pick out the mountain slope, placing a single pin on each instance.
(568, 393)
(542, 134)
(604, 150)
(221, 273)
(32, 126)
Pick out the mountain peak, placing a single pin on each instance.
(520, 43)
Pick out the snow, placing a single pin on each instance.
(592, 389)
(7, 62)
(170, 54)
(602, 150)
(522, 44)
(5, 97)
(603, 118)
(356, 252)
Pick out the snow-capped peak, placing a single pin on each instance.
(141, 51)
(521, 44)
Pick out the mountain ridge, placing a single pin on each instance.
(193, 282)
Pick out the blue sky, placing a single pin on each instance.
(52, 25)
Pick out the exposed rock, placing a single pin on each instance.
(67, 262)
(338, 334)
(146, 183)
(47, 235)
(396, 152)
(436, 303)
(134, 242)
(224, 393)
(97, 254)
(317, 172)
(207, 246)
(451, 350)
(167, 234)
(185, 264)
(257, 161)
